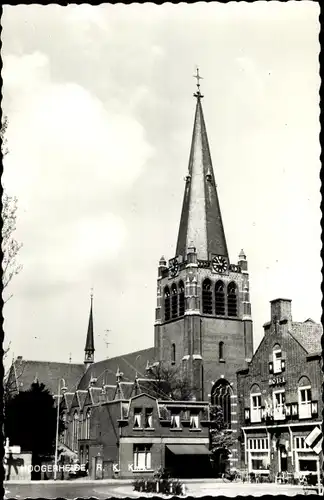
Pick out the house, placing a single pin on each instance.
(280, 397)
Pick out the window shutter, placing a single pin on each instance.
(271, 367)
(283, 365)
(314, 408)
(247, 413)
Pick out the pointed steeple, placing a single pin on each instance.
(201, 225)
(89, 346)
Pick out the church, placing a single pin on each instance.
(203, 324)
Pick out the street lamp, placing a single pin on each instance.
(59, 390)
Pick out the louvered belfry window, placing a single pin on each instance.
(220, 299)
(174, 301)
(232, 300)
(167, 309)
(181, 299)
(207, 297)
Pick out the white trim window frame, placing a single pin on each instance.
(255, 407)
(142, 458)
(277, 357)
(279, 404)
(175, 421)
(194, 421)
(305, 402)
(137, 418)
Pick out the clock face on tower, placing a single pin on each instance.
(173, 267)
(219, 264)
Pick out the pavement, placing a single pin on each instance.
(123, 488)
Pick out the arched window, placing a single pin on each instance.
(181, 299)
(232, 299)
(277, 358)
(220, 299)
(87, 424)
(221, 397)
(207, 302)
(221, 351)
(305, 398)
(174, 301)
(75, 430)
(167, 308)
(173, 354)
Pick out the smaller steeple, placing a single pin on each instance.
(89, 346)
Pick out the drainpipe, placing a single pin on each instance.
(291, 445)
(245, 447)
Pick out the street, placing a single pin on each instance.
(120, 489)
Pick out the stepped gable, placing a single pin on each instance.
(105, 371)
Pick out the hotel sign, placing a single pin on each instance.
(277, 380)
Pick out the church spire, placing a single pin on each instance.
(201, 225)
(89, 346)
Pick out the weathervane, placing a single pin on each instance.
(198, 77)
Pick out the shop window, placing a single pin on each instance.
(308, 465)
(142, 457)
(220, 299)
(149, 418)
(256, 407)
(232, 300)
(305, 402)
(207, 297)
(279, 405)
(167, 307)
(181, 299)
(137, 418)
(174, 301)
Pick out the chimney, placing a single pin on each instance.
(281, 311)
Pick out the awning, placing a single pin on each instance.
(189, 449)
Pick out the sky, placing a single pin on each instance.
(100, 107)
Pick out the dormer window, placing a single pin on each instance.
(137, 418)
(194, 421)
(175, 421)
(148, 418)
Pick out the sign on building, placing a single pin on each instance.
(315, 439)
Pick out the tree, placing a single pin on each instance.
(169, 382)
(30, 421)
(221, 438)
(10, 246)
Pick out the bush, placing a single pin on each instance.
(166, 486)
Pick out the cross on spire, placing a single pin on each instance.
(198, 78)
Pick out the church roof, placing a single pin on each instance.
(201, 223)
(47, 372)
(308, 334)
(105, 371)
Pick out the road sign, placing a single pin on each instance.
(315, 439)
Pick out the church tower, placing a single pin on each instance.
(203, 314)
